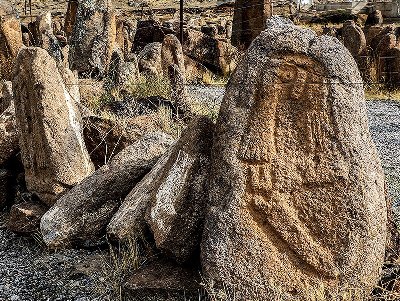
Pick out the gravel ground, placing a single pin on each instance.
(384, 122)
(29, 272)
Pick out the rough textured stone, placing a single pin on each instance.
(374, 18)
(9, 137)
(149, 31)
(164, 280)
(249, 20)
(93, 38)
(125, 34)
(82, 214)
(44, 37)
(10, 44)
(179, 94)
(353, 38)
(70, 17)
(216, 55)
(150, 60)
(25, 217)
(52, 146)
(172, 53)
(172, 196)
(6, 96)
(294, 172)
(122, 73)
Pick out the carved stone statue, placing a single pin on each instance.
(297, 189)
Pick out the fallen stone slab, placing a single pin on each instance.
(171, 199)
(81, 215)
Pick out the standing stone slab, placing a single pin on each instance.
(172, 53)
(149, 60)
(43, 36)
(296, 186)
(171, 199)
(354, 38)
(52, 147)
(249, 20)
(10, 44)
(70, 17)
(81, 215)
(92, 40)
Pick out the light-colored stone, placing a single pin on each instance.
(43, 36)
(93, 37)
(52, 147)
(9, 137)
(296, 187)
(81, 215)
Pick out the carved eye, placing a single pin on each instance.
(287, 73)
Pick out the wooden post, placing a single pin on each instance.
(181, 21)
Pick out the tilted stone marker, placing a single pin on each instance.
(93, 37)
(52, 147)
(296, 188)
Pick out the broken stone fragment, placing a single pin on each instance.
(81, 215)
(25, 217)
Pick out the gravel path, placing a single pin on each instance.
(30, 274)
(384, 122)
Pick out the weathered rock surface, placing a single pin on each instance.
(294, 171)
(10, 44)
(122, 73)
(249, 20)
(172, 53)
(150, 60)
(70, 17)
(354, 38)
(374, 18)
(125, 34)
(216, 55)
(172, 197)
(25, 217)
(93, 38)
(164, 280)
(52, 146)
(81, 215)
(179, 94)
(149, 31)
(9, 137)
(43, 36)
